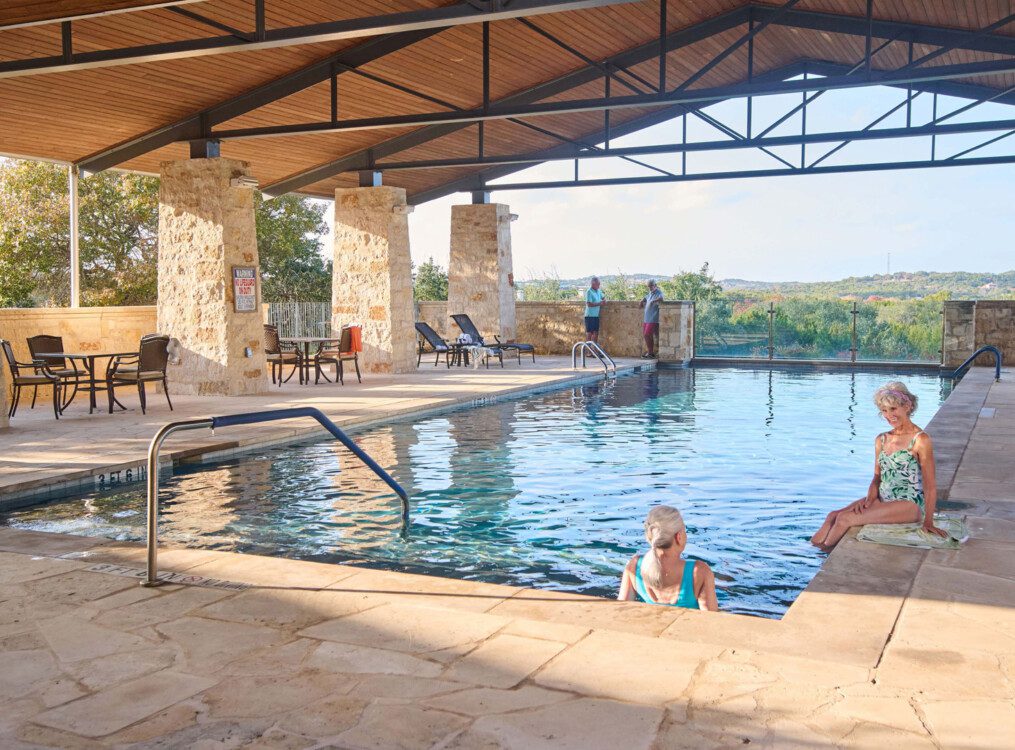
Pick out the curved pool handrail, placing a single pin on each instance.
(982, 350)
(151, 579)
(597, 351)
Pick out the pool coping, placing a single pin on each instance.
(33, 491)
(845, 615)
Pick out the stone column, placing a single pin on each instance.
(676, 331)
(480, 275)
(959, 337)
(372, 284)
(206, 227)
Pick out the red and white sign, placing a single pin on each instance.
(244, 289)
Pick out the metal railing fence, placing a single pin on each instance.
(295, 319)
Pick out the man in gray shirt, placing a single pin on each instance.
(650, 327)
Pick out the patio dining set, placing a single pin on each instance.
(70, 373)
(312, 353)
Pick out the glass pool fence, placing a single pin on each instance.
(819, 329)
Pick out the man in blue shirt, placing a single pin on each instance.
(650, 327)
(593, 304)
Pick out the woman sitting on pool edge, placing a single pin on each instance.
(904, 488)
(660, 576)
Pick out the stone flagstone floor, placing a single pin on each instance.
(888, 647)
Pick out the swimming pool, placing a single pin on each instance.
(549, 491)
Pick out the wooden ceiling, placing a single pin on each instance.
(67, 116)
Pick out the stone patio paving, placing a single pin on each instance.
(886, 647)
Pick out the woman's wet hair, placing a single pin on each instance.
(895, 394)
(662, 524)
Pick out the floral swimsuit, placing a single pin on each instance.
(901, 478)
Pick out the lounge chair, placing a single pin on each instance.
(278, 357)
(42, 375)
(344, 353)
(69, 374)
(437, 344)
(147, 366)
(465, 323)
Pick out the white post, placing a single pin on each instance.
(75, 260)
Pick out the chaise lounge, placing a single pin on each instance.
(464, 322)
(437, 345)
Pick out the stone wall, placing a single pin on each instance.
(372, 282)
(84, 329)
(206, 227)
(480, 274)
(970, 325)
(554, 327)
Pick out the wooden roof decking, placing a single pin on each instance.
(68, 116)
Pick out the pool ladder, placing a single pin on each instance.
(272, 415)
(982, 350)
(597, 351)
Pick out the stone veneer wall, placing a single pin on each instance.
(372, 282)
(969, 325)
(480, 274)
(554, 327)
(206, 227)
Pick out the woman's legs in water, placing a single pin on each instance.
(817, 539)
(895, 511)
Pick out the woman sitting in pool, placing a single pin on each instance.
(660, 576)
(903, 489)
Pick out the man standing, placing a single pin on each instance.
(650, 327)
(593, 304)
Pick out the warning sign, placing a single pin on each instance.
(244, 288)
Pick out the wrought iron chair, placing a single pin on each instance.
(147, 366)
(344, 353)
(278, 357)
(41, 375)
(64, 368)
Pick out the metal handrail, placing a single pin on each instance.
(597, 351)
(982, 350)
(237, 419)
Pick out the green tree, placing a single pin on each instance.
(289, 231)
(549, 289)
(619, 288)
(430, 282)
(697, 286)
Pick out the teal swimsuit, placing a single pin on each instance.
(687, 599)
(901, 478)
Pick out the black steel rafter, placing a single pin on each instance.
(330, 31)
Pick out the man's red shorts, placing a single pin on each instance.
(650, 329)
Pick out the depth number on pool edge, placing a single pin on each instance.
(109, 479)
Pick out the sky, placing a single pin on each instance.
(807, 228)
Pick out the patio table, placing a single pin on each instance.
(305, 342)
(91, 385)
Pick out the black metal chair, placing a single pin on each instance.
(67, 371)
(437, 345)
(278, 357)
(147, 366)
(41, 375)
(336, 357)
(464, 322)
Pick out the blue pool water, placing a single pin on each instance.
(550, 491)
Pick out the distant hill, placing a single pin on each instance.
(900, 285)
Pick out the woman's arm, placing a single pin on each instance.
(924, 450)
(705, 587)
(874, 488)
(627, 593)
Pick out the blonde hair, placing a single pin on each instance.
(661, 525)
(895, 394)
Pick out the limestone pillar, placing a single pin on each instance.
(676, 332)
(372, 282)
(480, 275)
(206, 228)
(959, 337)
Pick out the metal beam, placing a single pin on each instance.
(196, 125)
(40, 16)
(364, 158)
(866, 134)
(741, 174)
(331, 31)
(690, 96)
(936, 36)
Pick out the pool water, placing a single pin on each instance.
(549, 491)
